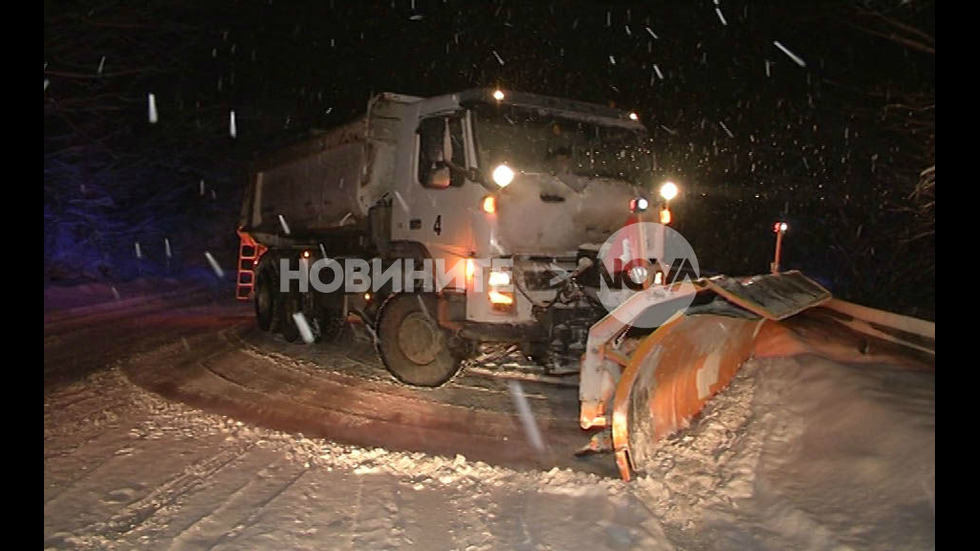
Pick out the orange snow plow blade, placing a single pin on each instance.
(671, 376)
(675, 370)
(846, 332)
(671, 373)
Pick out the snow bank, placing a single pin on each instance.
(805, 452)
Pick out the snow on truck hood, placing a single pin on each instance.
(545, 214)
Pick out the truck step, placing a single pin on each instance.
(249, 253)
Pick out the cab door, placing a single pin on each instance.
(443, 203)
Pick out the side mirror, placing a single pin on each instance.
(440, 177)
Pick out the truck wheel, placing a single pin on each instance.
(411, 344)
(266, 304)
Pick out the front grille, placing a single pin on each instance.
(540, 280)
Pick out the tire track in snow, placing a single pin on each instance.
(377, 521)
(90, 349)
(259, 509)
(492, 410)
(421, 514)
(357, 512)
(75, 432)
(81, 472)
(226, 375)
(136, 514)
(470, 522)
(220, 518)
(548, 400)
(316, 403)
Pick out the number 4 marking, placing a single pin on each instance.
(437, 227)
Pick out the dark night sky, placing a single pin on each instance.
(836, 147)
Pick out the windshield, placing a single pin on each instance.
(536, 141)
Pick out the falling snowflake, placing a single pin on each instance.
(304, 328)
(214, 265)
(791, 55)
(527, 418)
(152, 100)
(401, 201)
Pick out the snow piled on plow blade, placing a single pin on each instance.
(825, 440)
(803, 452)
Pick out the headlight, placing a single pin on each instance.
(668, 191)
(503, 175)
(499, 279)
(489, 204)
(501, 301)
(638, 274)
(500, 294)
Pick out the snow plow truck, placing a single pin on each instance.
(505, 200)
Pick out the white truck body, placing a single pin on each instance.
(409, 180)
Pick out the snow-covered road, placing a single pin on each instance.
(799, 452)
(126, 468)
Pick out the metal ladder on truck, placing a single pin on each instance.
(249, 253)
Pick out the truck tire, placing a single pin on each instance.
(267, 303)
(413, 347)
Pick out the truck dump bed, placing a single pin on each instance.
(327, 183)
